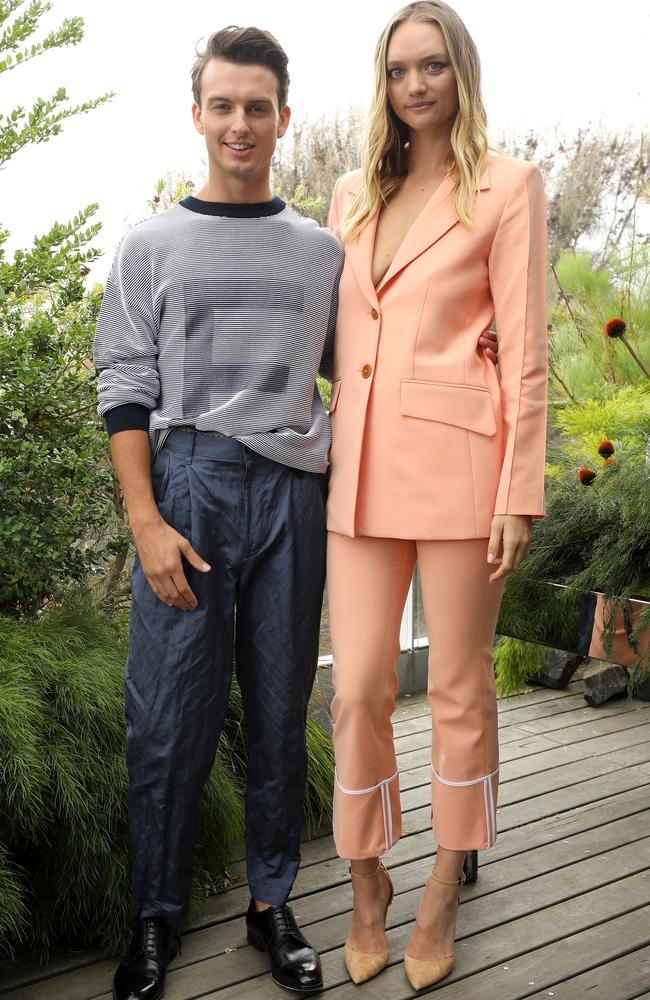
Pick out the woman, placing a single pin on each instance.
(435, 458)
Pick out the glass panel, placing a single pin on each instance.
(419, 625)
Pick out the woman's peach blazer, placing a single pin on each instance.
(428, 439)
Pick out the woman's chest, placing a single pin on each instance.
(394, 223)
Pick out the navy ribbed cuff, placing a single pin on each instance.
(127, 417)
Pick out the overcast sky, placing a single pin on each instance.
(561, 63)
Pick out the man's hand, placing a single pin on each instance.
(510, 540)
(488, 342)
(160, 548)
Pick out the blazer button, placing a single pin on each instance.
(374, 314)
(366, 371)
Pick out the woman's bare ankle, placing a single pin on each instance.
(364, 866)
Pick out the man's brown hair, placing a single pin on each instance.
(249, 46)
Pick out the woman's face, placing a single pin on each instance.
(421, 83)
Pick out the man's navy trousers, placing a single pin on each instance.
(261, 527)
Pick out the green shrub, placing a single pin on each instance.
(515, 664)
(64, 853)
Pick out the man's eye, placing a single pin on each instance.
(219, 107)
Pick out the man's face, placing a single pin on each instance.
(240, 118)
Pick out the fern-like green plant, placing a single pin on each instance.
(64, 849)
(515, 664)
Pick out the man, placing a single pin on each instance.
(216, 318)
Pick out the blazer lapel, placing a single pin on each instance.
(359, 255)
(435, 219)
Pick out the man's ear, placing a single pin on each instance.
(283, 122)
(197, 118)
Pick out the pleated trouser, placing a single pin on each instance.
(261, 527)
(368, 580)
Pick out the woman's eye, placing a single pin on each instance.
(393, 74)
(435, 66)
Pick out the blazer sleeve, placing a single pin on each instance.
(334, 215)
(517, 270)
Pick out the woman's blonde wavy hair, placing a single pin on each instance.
(384, 155)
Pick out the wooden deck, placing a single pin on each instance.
(561, 907)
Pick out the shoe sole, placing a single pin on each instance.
(159, 996)
(257, 942)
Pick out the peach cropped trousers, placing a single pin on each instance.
(368, 580)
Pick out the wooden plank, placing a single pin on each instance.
(631, 755)
(481, 951)
(539, 694)
(417, 821)
(587, 816)
(614, 979)
(543, 710)
(231, 934)
(637, 711)
(415, 741)
(523, 769)
(511, 750)
(314, 908)
(520, 767)
(512, 717)
(518, 789)
(320, 912)
(223, 973)
(322, 850)
(410, 706)
(598, 727)
(512, 981)
(559, 801)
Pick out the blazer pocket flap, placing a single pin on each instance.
(468, 406)
(334, 398)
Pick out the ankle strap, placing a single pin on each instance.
(370, 874)
(448, 881)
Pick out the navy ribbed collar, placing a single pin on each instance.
(234, 210)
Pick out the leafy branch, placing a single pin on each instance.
(12, 38)
(43, 121)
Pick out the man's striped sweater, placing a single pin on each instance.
(219, 316)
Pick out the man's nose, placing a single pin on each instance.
(239, 124)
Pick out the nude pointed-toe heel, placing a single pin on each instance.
(422, 973)
(363, 965)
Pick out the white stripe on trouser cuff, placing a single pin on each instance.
(488, 799)
(386, 810)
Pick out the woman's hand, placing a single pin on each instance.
(510, 540)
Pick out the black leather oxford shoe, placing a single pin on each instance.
(141, 975)
(294, 963)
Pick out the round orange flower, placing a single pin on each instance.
(610, 461)
(606, 448)
(615, 327)
(587, 476)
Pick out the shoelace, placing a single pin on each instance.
(285, 921)
(149, 932)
